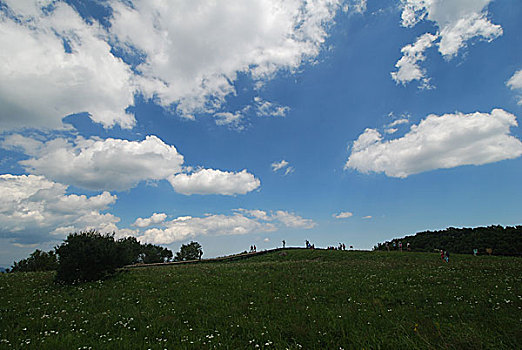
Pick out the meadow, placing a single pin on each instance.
(296, 299)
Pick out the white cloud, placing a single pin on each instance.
(110, 164)
(232, 120)
(343, 215)
(458, 22)
(398, 122)
(188, 53)
(33, 207)
(454, 36)
(194, 50)
(282, 165)
(156, 218)
(408, 65)
(210, 181)
(269, 109)
(367, 217)
(293, 220)
(242, 222)
(41, 82)
(438, 142)
(515, 83)
(391, 130)
(266, 240)
(279, 165)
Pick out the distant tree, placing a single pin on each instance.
(37, 261)
(87, 256)
(502, 241)
(191, 251)
(154, 254)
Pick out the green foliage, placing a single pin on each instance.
(90, 256)
(37, 261)
(87, 256)
(154, 254)
(306, 299)
(129, 251)
(191, 251)
(503, 241)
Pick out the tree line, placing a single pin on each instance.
(90, 255)
(495, 239)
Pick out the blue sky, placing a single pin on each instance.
(235, 124)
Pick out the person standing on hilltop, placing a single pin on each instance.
(284, 243)
(441, 254)
(447, 256)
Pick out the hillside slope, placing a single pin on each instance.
(295, 299)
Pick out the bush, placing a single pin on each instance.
(37, 261)
(87, 256)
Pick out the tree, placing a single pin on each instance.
(37, 261)
(191, 251)
(154, 254)
(129, 251)
(87, 256)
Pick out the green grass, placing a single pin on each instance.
(305, 299)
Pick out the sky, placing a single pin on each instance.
(234, 123)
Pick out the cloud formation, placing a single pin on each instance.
(241, 222)
(55, 64)
(179, 54)
(343, 215)
(283, 164)
(515, 83)
(110, 164)
(458, 21)
(193, 51)
(33, 206)
(438, 142)
(115, 164)
(211, 181)
(154, 219)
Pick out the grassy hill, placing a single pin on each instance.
(309, 299)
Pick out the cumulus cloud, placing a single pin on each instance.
(110, 164)
(193, 51)
(408, 68)
(210, 181)
(458, 21)
(343, 215)
(184, 55)
(43, 80)
(367, 217)
(154, 219)
(241, 222)
(34, 208)
(515, 83)
(438, 142)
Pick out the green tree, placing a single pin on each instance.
(37, 261)
(191, 251)
(87, 256)
(154, 254)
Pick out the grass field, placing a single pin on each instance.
(306, 299)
